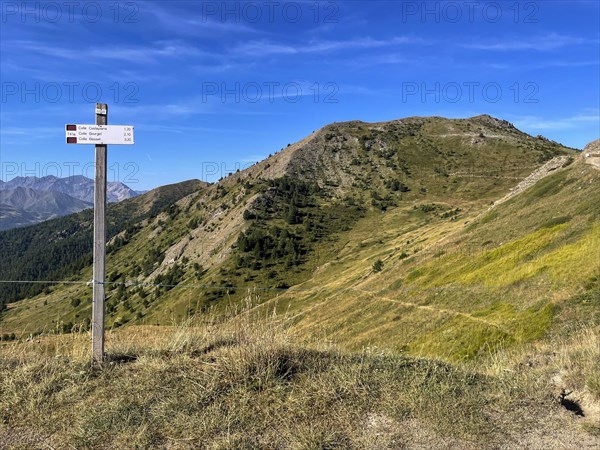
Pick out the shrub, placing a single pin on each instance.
(378, 266)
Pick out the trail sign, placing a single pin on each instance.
(99, 134)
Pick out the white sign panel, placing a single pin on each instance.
(99, 134)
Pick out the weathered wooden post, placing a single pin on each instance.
(101, 134)
(99, 273)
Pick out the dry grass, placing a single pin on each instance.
(564, 364)
(244, 383)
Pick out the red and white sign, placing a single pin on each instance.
(99, 134)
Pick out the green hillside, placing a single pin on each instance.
(278, 224)
(58, 249)
(457, 289)
(457, 261)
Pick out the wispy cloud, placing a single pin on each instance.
(387, 58)
(182, 129)
(220, 68)
(162, 111)
(38, 132)
(346, 89)
(521, 67)
(265, 48)
(565, 123)
(186, 108)
(190, 22)
(548, 42)
(24, 136)
(139, 54)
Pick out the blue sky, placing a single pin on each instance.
(214, 86)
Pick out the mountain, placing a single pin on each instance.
(29, 200)
(61, 247)
(11, 217)
(24, 206)
(76, 186)
(422, 239)
(394, 191)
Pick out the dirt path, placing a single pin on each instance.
(436, 309)
(380, 297)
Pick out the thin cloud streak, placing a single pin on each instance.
(193, 24)
(266, 48)
(540, 123)
(140, 54)
(541, 43)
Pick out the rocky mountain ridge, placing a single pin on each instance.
(29, 200)
(76, 186)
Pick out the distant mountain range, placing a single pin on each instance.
(29, 200)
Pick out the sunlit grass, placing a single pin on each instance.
(246, 383)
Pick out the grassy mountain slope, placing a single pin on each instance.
(456, 289)
(296, 208)
(387, 242)
(58, 249)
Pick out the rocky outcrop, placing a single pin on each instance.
(591, 154)
(551, 166)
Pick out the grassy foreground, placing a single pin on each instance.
(244, 383)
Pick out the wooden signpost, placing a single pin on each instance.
(100, 135)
